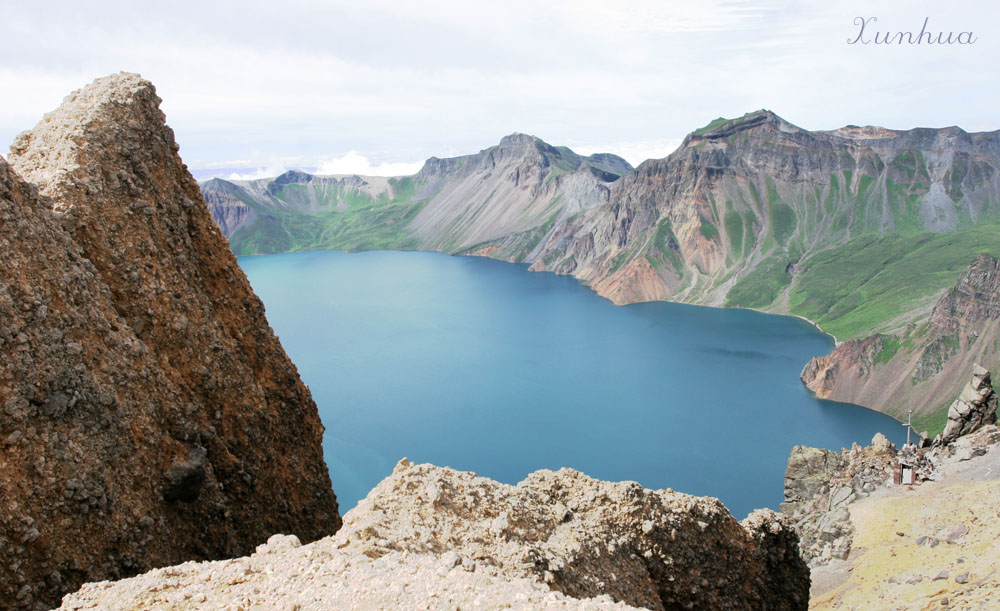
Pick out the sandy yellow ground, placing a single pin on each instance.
(888, 570)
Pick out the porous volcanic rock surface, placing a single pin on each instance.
(149, 414)
(442, 538)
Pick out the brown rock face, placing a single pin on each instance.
(849, 362)
(925, 365)
(975, 297)
(820, 484)
(973, 409)
(587, 538)
(150, 415)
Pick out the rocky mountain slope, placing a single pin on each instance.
(150, 415)
(928, 546)
(431, 536)
(520, 185)
(859, 229)
(876, 539)
(752, 212)
(923, 366)
(850, 228)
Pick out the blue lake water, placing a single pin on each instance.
(481, 366)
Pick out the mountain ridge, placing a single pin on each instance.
(919, 367)
(857, 229)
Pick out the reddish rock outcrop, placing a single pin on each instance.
(925, 365)
(850, 361)
(150, 415)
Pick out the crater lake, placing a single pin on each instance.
(482, 366)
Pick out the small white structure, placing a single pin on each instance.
(903, 474)
(906, 474)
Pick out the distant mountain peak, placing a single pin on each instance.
(293, 177)
(518, 138)
(722, 127)
(520, 147)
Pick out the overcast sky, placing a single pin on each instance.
(376, 86)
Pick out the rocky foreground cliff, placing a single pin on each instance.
(149, 413)
(931, 545)
(885, 528)
(434, 537)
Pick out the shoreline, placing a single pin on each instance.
(836, 342)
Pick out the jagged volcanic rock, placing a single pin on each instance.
(433, 536)
(150, 415)
(850, 360)
(585, 537)
(820, 484)
(975, 298)
(973, 409)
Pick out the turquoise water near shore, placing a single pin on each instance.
(481, 366)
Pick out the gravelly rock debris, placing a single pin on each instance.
(819, 486)
(434, 537)
(148, 414)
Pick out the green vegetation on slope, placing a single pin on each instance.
(373, 226)
(376, 228)
(854, 289)
(734, 229)
(666, 242)
(532, 237)
(330, 217)
(782, 217)
(762, 285)
(715, 124)
(932, 423)
(890, 346)
(708, 229)
(301, 196)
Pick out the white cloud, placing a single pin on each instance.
(354, 162)
(633, 152)
(268, 171)
(351, 162)
(394, 80)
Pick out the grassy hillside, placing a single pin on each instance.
(867, 283)
(330, 218)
